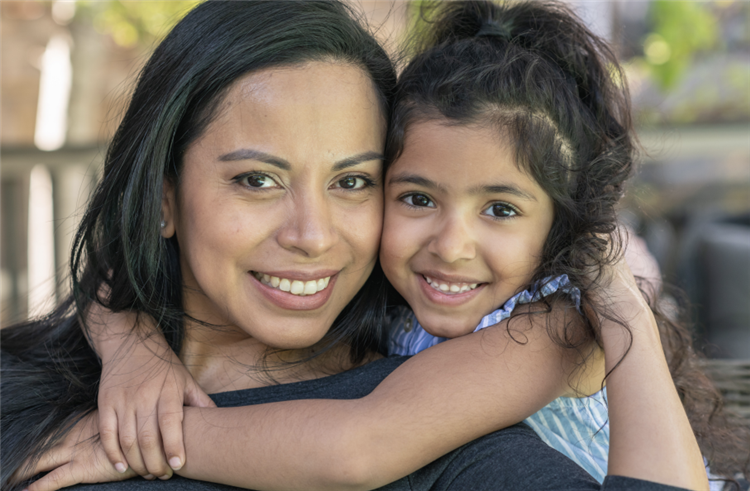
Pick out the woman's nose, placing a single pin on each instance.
(309, 229)
(453, 241)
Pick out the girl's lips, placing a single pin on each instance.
(447, 298)
(289, 301)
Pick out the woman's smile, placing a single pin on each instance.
(286, 292)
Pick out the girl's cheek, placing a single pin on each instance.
(394, 250)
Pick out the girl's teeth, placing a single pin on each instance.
(295, 287)
(451, 288)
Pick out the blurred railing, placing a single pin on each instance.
(43, 195)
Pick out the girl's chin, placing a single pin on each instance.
(443, 326)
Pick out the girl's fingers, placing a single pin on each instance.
(194, 396)
(129, 444)
(110, 441)
(170, 426)
(52, 458)
(150, 443)
(59, 478)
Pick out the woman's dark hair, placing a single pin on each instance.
(50, 373)
(556, 92)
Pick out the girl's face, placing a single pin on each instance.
(464, 226)
(278, 210)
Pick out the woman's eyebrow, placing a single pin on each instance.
(357, 159)
(250, 154)
(502, 189)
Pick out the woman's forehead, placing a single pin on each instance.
(315, 109)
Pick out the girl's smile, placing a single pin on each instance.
(464, 225)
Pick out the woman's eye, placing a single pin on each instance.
(258, 181)
(418, 200)
(501, 210)
(352, 182)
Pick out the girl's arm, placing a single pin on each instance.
(143, 388)
(650, 435)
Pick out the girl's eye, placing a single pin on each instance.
(418, 200)
(354, 183)
(257, 181)
(500, 210)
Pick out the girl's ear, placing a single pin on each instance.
(168, 210)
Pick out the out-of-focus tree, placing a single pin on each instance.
(131, 23)
(680, 29)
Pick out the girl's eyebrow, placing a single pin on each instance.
(251, 154)
(502, 189)
(405, 178)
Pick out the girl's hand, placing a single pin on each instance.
(650, 434)
(79, 458)
(141, 396)
(624, 296)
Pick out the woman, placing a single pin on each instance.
(217, 114)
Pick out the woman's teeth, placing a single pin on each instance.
(450, 288)
(295, 287)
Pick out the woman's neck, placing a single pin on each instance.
(222, 358)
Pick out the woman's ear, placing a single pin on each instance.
(168, 210)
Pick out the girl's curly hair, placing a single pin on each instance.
(555, 91)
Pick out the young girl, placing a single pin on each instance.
(510, 144)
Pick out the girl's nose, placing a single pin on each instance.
(309, 229)
(453, 241)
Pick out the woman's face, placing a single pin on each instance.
(278, 210)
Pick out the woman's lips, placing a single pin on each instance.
(289, 293)
(457, 293)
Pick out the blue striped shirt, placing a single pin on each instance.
(575, 426)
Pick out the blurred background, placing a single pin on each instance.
(68, 68)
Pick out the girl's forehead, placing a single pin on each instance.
(441, 147)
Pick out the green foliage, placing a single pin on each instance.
(680, 29)
(131, 22)
(420, 14)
